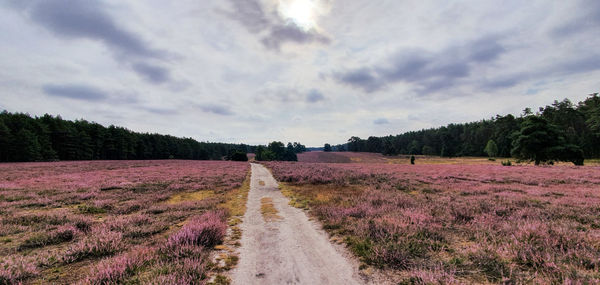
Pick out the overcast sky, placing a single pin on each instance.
(313, 71)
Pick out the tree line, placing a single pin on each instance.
(278, 151)
(49, 138)
(563, 130)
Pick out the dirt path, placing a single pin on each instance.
(287, 248)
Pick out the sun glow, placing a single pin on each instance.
(301, 12)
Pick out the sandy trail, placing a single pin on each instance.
(287, 250)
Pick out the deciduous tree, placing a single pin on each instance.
(491, 149)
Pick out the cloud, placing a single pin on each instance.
(579, 64)
(152, 73)
(273, 92)
(124, 97)
(160, 111)
(503, 82)
(216, 109)
(364, 78)
(565, 67)
(289, 95)
(250, 14)
(90, 20)
(350, 74)
(78, 92)
(273, 30)
(291, 33)
(485, 50)
(381, 121)
(314, 96)
(585, 16)
(84, 19)
(429, 71)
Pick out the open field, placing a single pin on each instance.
(461, 220)
(369, 157)
(457, 223)
(117, 221)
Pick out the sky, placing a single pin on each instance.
(312, 71)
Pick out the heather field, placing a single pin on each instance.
(457, 223)
(109, 222)
(369, 157)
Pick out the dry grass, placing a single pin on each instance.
(191, 196)
(267, 208)
(592, 162)
(225, 257)
(235, 200)
(295, 199)
(301, 196)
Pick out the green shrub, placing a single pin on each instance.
(360, 247)
(61, 235)
(237, 156)
(490, 264)
(87, 209)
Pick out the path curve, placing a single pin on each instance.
(289, 250)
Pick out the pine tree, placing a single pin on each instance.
(540, 142)
(27, 147)
(5, 141)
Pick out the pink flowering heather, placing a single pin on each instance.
(137, 225)
(459, 223)
(115, 175)
(60, 217)
(60, 235)
(183, 261)
(116, 269)
(175, 278)
(14, 269)
(175, 253)
(191, 270)
(80, 211)
(207, 230)
(319, 156)
(10, 229)
(436, 275)
(122, 223)
(99, 242)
